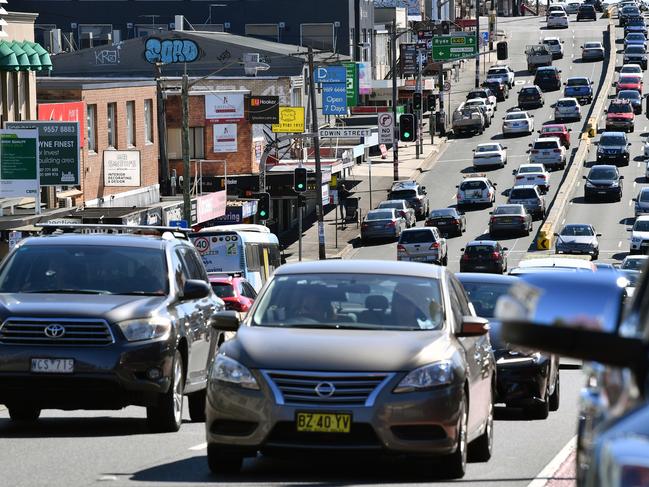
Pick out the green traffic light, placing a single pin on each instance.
(262, 213)
(300, 185)
(406, 135)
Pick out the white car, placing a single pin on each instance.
(634, 262)
(567, 109)
(572, 7)
(490, 154)
(482, 102)
(639, 236)
(518, 123)
(555, 46)
(631, 69)
(557, 20)
(503, 73)
(475, 189)
(532, 174)
(556, 7)
(549, 152)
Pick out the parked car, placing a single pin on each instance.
(548, 151)
(554, 45)
(413, 193)
(105, 321)
(567, 109)
(498, 87)
(530, 96)
(535, 174)
(484, 256)
(579, 87)
(639, 241)
(293, 357)
(510, 219)
(603, 181)
(633, 97)
(586, 12)
(530, 197)
(592, 51)
(235, 291)
(524, 378)
(558, 130)
(475, 189)
(422, 244)
(548, 78)
(517, 123)
(404, 209)
(557, 20)
(577, 238)
(641, 206)
(489, 154)
(502, 72)
(634, 54)
(449, 221)
(613, 147)
(620, 115)
(381, 224)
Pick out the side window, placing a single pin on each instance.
(250, 291)
(462, 298)
(177, 268)
(193, 269)
(456, 307)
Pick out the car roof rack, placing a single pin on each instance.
(107, 228)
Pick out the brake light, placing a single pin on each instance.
(520, 177)
(364, 225)
(434, 245)
(456, 222)
(459, 196)
(391, 224)
(535, 151)
(428, 223)
(465, 257)
(543, 176)
(401, 249)
(521, 219)
(496, 255)
(492, 219)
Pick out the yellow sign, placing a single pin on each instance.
(291, 120)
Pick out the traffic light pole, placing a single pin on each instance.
(395, 144)
(416, 111)
(477, 43)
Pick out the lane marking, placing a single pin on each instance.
(619, 244)
(630, 202)
(547, 473)
(201, 446)
(563, 221)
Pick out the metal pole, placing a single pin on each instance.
(395, 144)
(416, 112)
(370, 181)
(477, 43)
(187, 204)
(299, 229)
(318, 168)
(420, 121)
(162, 133)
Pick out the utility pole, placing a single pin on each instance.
(477, 43)
(187, 205)
(420, 90)
(395, 144)
(318, 167)
(162, 133)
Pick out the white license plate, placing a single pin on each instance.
(53, 365)
(601, 192)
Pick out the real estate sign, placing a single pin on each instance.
(19, 164)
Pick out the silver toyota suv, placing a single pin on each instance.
(422, 245)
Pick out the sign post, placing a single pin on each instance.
(386, 128)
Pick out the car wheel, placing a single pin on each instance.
(480, 449)
(445, 260)
(167, 416)
(196, 403)
(221, 461)
(454, 465)
(23, 412)
(632, 129)
(596, 255)
(556, 395)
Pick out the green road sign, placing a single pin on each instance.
(454, 46)
(351, 84)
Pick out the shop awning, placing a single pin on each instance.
(23, 56)
(70, 193)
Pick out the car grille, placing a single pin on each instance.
(76, 332)
(325, 388)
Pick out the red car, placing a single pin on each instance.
(556, 130)
(620, 116)
(628, 82)
(237, 293)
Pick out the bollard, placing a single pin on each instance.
(544, 240)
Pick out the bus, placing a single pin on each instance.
(251, 251)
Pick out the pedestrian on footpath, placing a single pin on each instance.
(343, 194)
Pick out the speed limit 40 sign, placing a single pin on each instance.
(386, 128)
(202, 244)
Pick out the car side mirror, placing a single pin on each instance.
(569, 130)
(456, 186)
(598, 234)
(226, 320)
(505, 147)
(584, 177)
(473, 326)
(634, 199)
(555, 234)
(494, 184)
(606, 110)
(491, 212)
(462, 249)
(514, 172)
(591, 82)
(195, 289)
(621, 177)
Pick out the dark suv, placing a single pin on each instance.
(603, 181)
(104, 321)
(548, 78)
(586, 12)
(530, 96)
(613, 147)
(413, 193)
(484, 256)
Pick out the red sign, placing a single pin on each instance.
(210, 206)
(65, 112)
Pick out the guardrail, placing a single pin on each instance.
(545, 235)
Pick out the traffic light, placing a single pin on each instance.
(416, 101)
(501, 50)
(299, 179)
(301, 201)
(432, 103)
(407, 127)
(263, 206)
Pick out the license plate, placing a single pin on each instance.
(52, 365)
(601, 192)
(324, 422)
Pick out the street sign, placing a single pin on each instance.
(346, 133)
(386, 128)
(351, 84)
(330, 74)
(484, 37)
(454, 46)
(447, 86)
(291, 120)
(408, 58)
(334, 98)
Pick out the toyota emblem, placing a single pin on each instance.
(325, 389)
(54, 331)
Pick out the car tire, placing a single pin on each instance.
(555, 397)
(481, 448)
(632, 129)
(196, 406)
(221, 461)
(445, 260)
(454, 465)
(538, 410)
(166, 417)
(595, 255)
(23, 413)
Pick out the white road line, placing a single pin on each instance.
(486, 230)
(619, 244)
(202, 446)
(578, 183)
(630, 202)
(634, 184)
(544, 475)
(638, 163)
(563, 221)
(453, 196)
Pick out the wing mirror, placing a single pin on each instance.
(195, 289)
(226, 320)
(473, 326)
(598, 234)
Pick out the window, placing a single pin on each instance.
(91, 123)
(148, 121)
(269, 32)
(112, 125)
(193, 266)
(318, 36)
(175, 143)
(130, 123)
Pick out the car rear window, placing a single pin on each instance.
(509, 210)
(629, 80)
(593, 45)
(551, 42)
(442, 213)
(223, 289)
(578, 82)
(546, 144)
(417, 236)
(516, 116)
(379, 215)
(567, 103)
(488, 148)
(644, 196)
(641, 226)
(635, 50)
(391, 204)
(620, 108)
(529, 169)
(551, 130)
(522, 194)
(529, 91)
(484, 296)
(468, 185)
(402, 194)
(628, 95)
(479, 249)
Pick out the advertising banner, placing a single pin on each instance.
(225, 137)
(210, 206)
(263, 109)
(291, 121)
(59, 151)
(122, 168)
(19, 164)
(330, 74)
(74, 111)
(224, 106)
(364, 78)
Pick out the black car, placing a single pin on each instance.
(603, 181)
(498, 88)
(99, 321)
(548, 78)
(448, 221)
(483, 256)
(523, 379)
(595, 3)
(635, 24)
(586, 12)
(530, 96)
(613, 147)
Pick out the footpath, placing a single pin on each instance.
(339, 239)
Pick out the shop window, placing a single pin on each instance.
(111, 122)
(175, 143)
(91, 124)
(148, 121)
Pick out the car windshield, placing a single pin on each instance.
(628, 95)
(612, 140)
(629, 80)
(358, 301)
(223, 289)
(641, 226)
(550, 144)
(509, 210)
(620, 108)
(529, 169)
(88, 269)
(516, 116)
(379, 215)
(577, 231)
(402, 194)
(567, 103)
(602, 173)
(468, 185)
(484, 295)
(487, 148)
(417, 236)
(522, 194)
(578, 82)
(442, 213)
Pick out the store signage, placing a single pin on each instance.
(263, 109)
(210, 206)
(291, 121)
(364, 78)
(224, 106)
(74, 111)
(122, 168)
(330, 74)
(225, 137)
(334, 99)
(19, 163)
(351, 84)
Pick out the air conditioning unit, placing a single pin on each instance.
(65, 202)
(54, 41)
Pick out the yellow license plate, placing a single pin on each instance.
(324, 422)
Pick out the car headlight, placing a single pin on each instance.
(145, 328)
(589, 184)
(615, 184)
(226, 369)
(426, 377)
